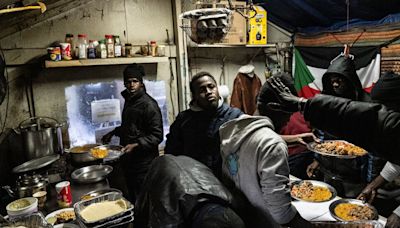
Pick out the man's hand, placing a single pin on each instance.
(312, 168)
(107, 137)
(288, 102)
(129, 148)
(368, 194)
(393, 221)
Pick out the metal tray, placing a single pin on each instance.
(111, 196)
(115, 222)
(311, 147)
(91, 174)
(99, 192)
(33, 220)
(36, 164)
(333, 205)
(315, 183)
(360, 224)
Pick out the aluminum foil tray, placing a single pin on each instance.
(111, 196)
(116, 222)
(33, 220)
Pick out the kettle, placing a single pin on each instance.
(41, 136)
(27, 185)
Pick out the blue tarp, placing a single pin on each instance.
(315, 16)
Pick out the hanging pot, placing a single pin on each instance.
(41, 137)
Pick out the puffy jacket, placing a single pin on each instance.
(368, 125)
(194, 133)
(174, 187)
(142, 124)
(346, 68)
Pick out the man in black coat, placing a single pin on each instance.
(140, 132)
(371, 126)
(194, 132)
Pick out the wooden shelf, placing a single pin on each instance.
(232, 46)
(109, 61)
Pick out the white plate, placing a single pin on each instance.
(54, 213)
(66, 225)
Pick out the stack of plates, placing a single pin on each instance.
(124, 217)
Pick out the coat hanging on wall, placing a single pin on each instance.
(245, 89)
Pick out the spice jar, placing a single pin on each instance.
(153, 45)
(82, 46)
(117, 47)
(102, 49)
(110, 46)
(91, 51)
(128, 50)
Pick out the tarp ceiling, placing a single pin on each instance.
(314, 16)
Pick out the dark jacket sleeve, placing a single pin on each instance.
(154, 132)
(368, 125)
(174, 143)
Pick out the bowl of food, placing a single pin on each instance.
(337, 148)
(312, 191)
(99, 152)
(352, 210)
(61, 216)
(23, 206)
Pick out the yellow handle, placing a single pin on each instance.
(40, 6)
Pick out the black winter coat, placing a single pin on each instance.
(195, 134)
(142, 124)
(368, 125)
(173, 188)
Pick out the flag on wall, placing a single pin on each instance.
(310, 63)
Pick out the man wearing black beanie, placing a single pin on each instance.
(140, 132)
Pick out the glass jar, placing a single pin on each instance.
(128, 50)
(117, 47)
(153, 46)
(82, 46)
(91, 51)
(102, 49)
(110, 46)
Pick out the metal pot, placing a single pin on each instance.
(27, 185)
(81, 154)
(41, 136)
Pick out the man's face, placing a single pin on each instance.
(133, 85)
(205, 93)
(340, 85)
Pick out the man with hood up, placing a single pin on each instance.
(347, 176)
(140, 132)
(194, 132)
(255, 162)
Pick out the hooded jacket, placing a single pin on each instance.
(255, 159)
(174, 187)
(142, 124)
(346, 68)
(194, 133)
(371, 126)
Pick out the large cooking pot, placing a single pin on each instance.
(81, 154)
(41, 136)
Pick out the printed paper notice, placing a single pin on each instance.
(107, 110)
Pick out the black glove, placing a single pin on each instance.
(288, 102)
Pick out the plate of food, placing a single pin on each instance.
(61, 216)
(106, 151)
(337, 148)
(352, 210)
(312, 191)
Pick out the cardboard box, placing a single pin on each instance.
(257, 27)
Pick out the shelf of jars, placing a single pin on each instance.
(107, 61)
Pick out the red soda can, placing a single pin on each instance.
(64, 196)
(66, 51)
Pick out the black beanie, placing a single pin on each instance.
(134, 71)
(387, 89)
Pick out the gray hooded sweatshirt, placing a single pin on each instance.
(254, 157)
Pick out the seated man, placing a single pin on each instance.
(194, 132)
(181, 192)
(255, 159)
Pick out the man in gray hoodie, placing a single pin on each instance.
(255, 159)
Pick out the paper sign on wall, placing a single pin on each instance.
(107, 110)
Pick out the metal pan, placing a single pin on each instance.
(36, 164)
(311, 146)
(91, 174)
(334, 204)
(96, 193)
(315, 183)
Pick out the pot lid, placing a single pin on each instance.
(38, 123)
(29, 180)
(36, 163)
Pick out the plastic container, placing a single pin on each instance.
(128, 50)
(69, 38)
(117, 47)
(153, 46)
(110, 46)
(91, 51)
(102, 50)
(14, 209)
(82, 46)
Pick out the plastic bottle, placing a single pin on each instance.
(91, 51)
(69, 38)
(128, 50)
(82, 46)
(110, 46)
(117, 46)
